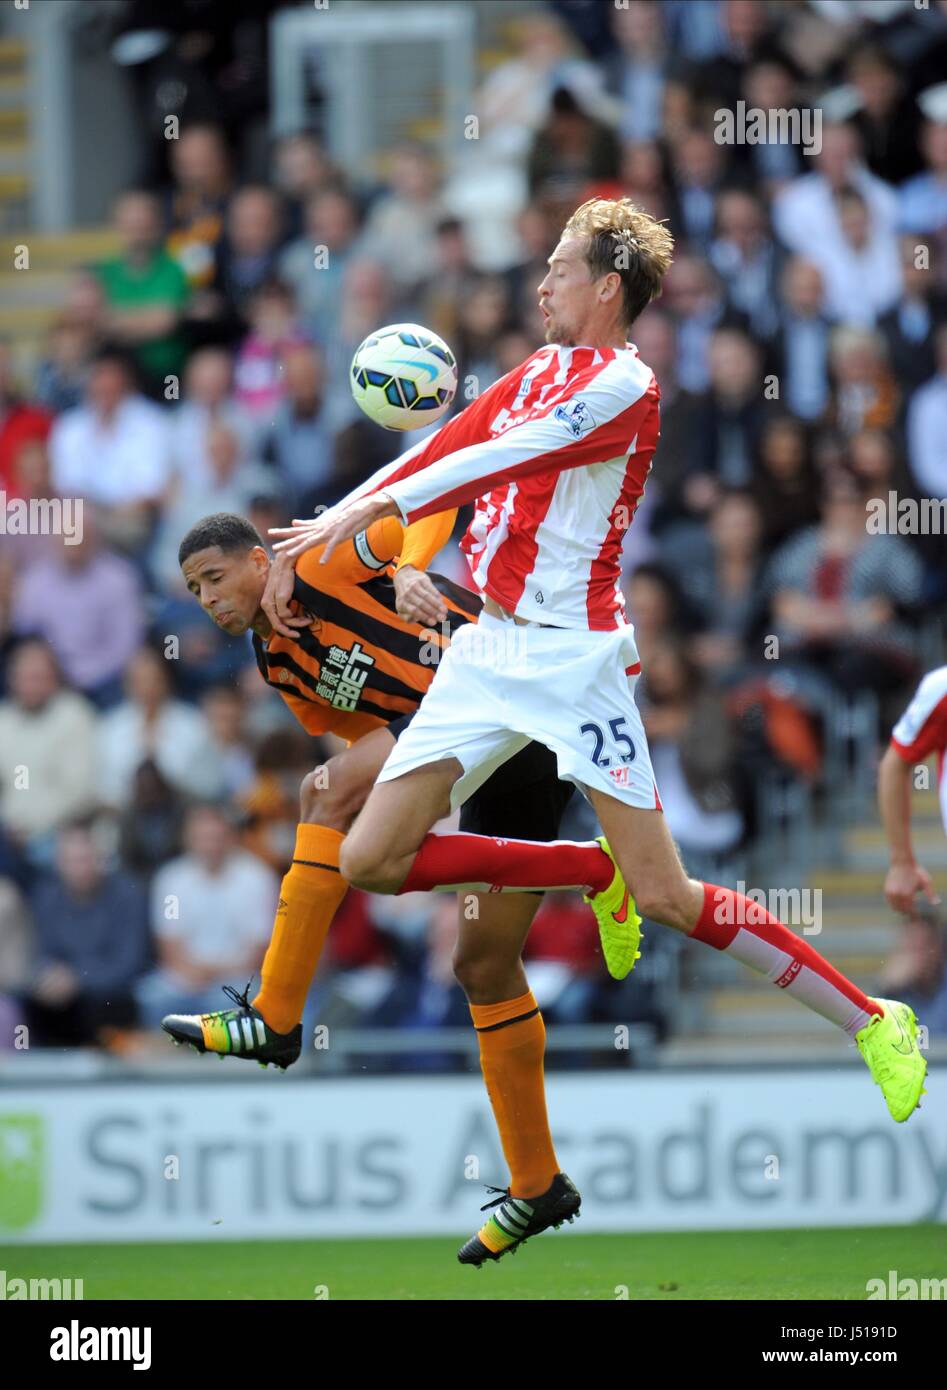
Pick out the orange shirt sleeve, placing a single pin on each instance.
(423, 539)
(373, 550)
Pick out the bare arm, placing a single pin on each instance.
(905, 876)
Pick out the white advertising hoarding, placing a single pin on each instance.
(390, 1156)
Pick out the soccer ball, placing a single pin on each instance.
(404, 376)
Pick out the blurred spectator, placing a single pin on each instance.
(145, 291)
(806, 213)
(302, 172)
(115, 450)
(401, 229)
(839, 595)
(223, 708)
(886, 118)
(453, 280)
(47, 751)
(866, 393)
(87, 603)
(19, 423)
(572, 149)
(769, 84)
(274, 331)
(515, 96)
(208, 400)
(744, 257)
(314, 263)
(785, 484)
(909, 327)
(732, 417)
(229, 488)
(70, 347)
(876, 465)
(91, 944)
(800, 349)
(656, 340)
(151, 825)
(248, 251)
(300, 441)
(643, 177)
(694, 296)
(637, 70)
(366, 304)
(151, 723)
(484, 314)
(922, 200)
(699, 167)
(860, 268)
(694, 757)
(927, 427)
(200, 170)
(723, 583)
(656, 607)
(211, 917)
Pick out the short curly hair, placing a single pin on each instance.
(626, 239)
(224, 529)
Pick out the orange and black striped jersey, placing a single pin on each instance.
(358, 666)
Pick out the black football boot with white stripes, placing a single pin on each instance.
(238, 1032)
(517, 1219)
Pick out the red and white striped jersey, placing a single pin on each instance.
(556, 455)
(922, 728)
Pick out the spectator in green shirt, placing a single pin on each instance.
(145, 291)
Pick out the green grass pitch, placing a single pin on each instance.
(797, 1264)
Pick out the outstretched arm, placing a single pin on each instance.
(905, 877)
(598, 421)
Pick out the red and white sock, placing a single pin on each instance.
(745, 930)
(484, 863)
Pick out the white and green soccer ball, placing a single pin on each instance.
(404, 376)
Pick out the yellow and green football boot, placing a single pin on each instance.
(238, 1032)
(517, 1219)
(619, 925)
(888, 1044)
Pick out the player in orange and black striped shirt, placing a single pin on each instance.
(358, 665)
(348, 664)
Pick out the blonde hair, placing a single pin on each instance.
(625, 239)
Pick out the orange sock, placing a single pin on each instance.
(512, 1042)
(309, 898)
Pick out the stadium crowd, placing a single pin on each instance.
(150, 778)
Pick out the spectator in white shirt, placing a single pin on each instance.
(862, 271)
(114, 449)
(150, 723)
(47, 751)
(211, 916)
(208, 401)
(805, 213)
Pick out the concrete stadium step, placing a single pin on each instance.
(779, 1014)
(66, 250)
(826, 1047)
(33, 287)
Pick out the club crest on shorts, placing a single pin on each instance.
(576, 417)
(620, 775)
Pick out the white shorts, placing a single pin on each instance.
(499, 685)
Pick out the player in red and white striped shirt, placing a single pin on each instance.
(557, 454)
(921, 730)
